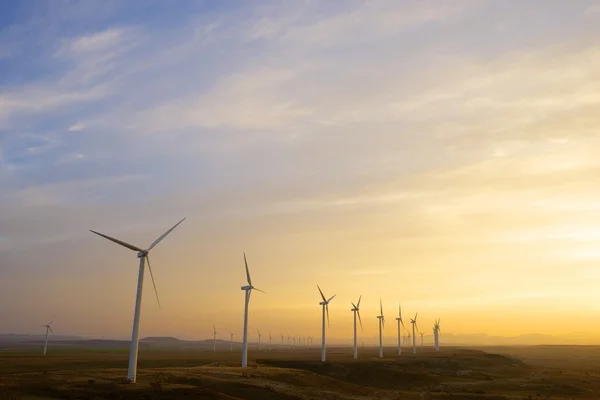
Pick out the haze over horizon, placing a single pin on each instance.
(438, 154)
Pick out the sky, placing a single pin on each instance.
(439, 154)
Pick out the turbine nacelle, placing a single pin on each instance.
(247, 287)
(142, 253)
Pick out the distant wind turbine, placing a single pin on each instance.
(270, 341)
(421, 333)
(215, 338)
(356, 310)
(381, 326)
(48, 328)
(248, 288)
(259, 336)
(143, 255)
(436, 334)
(414, 336)
(325, 305)
(400, 322)
(231, 341)
(281, 338)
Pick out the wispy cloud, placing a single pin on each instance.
(448, 138)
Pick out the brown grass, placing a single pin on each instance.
(507, 373)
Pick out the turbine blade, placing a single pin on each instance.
(383, 323)
(153, 283)
(247, 271)
(164, 235)
(331, 298)
(381, 306)
(353, 305)
(51, 330)
(322, 295)
(359, 320)
(117, 241)
(327, 310)
(52, 320)
(358, 304)
(402, 322)
(262, 291)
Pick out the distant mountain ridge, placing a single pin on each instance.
(480, 339)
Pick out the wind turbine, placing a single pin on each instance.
(215, 338)
(231, 341)
(381, 326)
(48, 328)
(259, 336)
(325, 304)
(436, 334)
(281, 338)
(356, 310)
(414, 336)
(248, 288)
(399, 320)
(421, 333)
(143, 255)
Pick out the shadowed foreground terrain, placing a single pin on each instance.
(539, 372)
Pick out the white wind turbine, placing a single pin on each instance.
(248, 288)
(381, 326)
(414, 336)
(259, 336)
(143, 255)
(356, 310)
(325, 305)
(436, 334)
(48, 328)
(400, 322)
(421, 333)
(231, 341)
(215, 338)
(281, 338)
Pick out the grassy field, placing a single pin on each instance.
(540, 372)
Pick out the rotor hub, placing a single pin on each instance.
(142, 253)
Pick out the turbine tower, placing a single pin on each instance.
(48, 328)
(231, 341)
(356, 310)
(214, 338)
(143, 255)
(436, 334)
(259, 336)
(400, 322)
(414, 336)
(381, 326)
(325, 306)
(248, 288)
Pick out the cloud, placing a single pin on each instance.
(320, 137)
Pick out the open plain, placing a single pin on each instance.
(528, 372)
